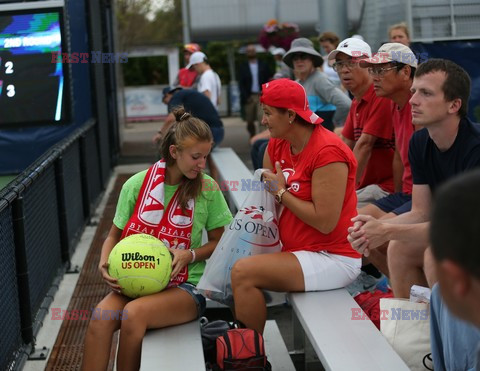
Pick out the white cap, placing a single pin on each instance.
(278, 51)
(357, 36)
(195, 58)
(353, 47)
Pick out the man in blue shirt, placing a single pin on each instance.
(455, 245)
(196, 104)
(448, 144)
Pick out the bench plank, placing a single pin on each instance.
(340, 342)
(275, 348)
(175, 348)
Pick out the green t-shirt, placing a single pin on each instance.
(211, 211)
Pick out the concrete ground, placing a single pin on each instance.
(138, 152)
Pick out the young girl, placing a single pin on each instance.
(175, 185)
(312, 174)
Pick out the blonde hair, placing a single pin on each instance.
(329, 36)
(399, 26)
(186, 127)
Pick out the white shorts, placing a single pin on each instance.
(325, 271)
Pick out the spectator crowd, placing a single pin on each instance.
(373, 159)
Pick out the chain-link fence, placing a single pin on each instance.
(42, 215)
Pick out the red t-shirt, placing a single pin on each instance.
(186, 78)
(323, 148)
(404, 129)
(372, 115)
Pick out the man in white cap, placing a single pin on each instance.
(209, 82)
(368, 131)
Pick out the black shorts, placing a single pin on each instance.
(397, 203)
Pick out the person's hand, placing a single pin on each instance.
(180, 258)
(373, 230)
(356, 238)
(109, 280)
(274, 182)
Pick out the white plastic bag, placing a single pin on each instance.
(253, 230)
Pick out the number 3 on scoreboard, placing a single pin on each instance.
(10, 91)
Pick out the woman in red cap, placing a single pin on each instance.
(311, 173)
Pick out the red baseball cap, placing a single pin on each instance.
(289, 94)
(192, 48)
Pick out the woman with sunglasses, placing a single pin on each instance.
(326, 100)
(311, 173)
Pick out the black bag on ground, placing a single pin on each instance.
(210, 332)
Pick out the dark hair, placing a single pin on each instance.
(401, 65)
(455, 220)
(329, 36)
(186, 127)
(457, 82)
(298, 119)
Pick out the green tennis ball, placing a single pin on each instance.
(142, 265)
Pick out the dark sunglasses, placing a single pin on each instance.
(301, 56)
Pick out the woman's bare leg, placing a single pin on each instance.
(167, 308)
(98, 339)
(276, 272)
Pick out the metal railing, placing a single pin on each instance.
(43, 213)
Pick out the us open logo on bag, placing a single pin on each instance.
(259, 224)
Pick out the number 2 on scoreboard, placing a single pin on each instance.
(8, 67)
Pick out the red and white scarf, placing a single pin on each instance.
(171, 225)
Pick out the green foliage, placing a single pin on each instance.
(167, 25)
(136, 29)
(145, 71)
(132, 21)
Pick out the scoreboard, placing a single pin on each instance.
(33, 86)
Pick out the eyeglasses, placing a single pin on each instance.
(301, 56)
(349, 63)
(379, 71)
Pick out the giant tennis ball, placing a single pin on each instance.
(142, 265)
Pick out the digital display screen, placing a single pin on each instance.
(33, 87)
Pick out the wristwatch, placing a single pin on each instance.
(279, 194)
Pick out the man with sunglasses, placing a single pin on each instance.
(392, 69)
(368, 130)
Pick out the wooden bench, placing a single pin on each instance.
(340, 342)
(179, 348)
